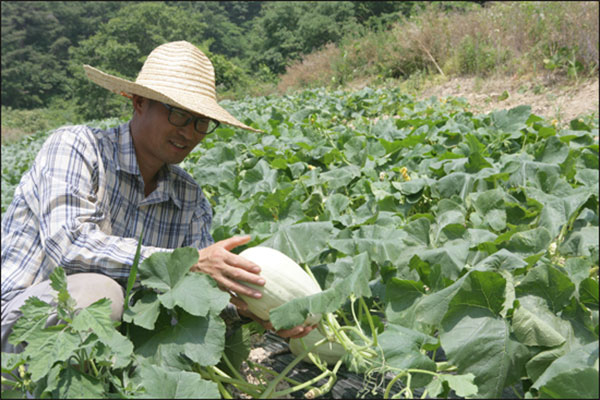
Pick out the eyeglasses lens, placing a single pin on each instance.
(202, 125)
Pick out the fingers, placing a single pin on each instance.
(234, 242)
(239, 303)
(229, 270)
(238, 288)
(296, 332)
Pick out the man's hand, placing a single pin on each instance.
(228, 268)
(294, 333)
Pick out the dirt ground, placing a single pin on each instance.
(562, 101)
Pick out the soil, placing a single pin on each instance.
(562, 101)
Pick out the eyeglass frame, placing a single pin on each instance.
(190, 119)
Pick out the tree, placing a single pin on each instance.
(36, 37)
(121, 46)
(285, 31)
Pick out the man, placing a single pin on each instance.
(90, 193)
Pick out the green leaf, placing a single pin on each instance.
(202, 339)
(461, 384)
(10, 361)
(572, 376)
(481, 289)
(588, 293)
(501, 260)
(529, 242)
(65, 304)
(535, 325)
(340, 177)
(549, 283)
(581, 242)
(48, 347)
(403, 347)
(260, 179)
(96, 317)
(35, 314)
(511, 121)
(237, 348)
(198, 294)
(381, 243)
(144, 312)
(76, 385)
(164, 270)
(303, 242)
(295, 311)
(400, 295)
(162, 383)
(491, 354)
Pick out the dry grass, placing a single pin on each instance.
(508, 38)
(314, 70)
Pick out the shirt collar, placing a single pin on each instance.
(126, 151)
(127, 162)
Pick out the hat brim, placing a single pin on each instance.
(202, 105)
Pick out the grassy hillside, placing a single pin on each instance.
(547, 45)
(553, 39)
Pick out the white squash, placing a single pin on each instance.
(330, 352)
(284, 281)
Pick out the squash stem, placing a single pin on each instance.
(217, 375)
(280, 394)
(370, 320)
(234, 371)
(388, 389)
(273, 373)
(287, 369)
(314, 392)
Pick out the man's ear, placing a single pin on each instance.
(140, 104)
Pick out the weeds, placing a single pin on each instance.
(512, 38)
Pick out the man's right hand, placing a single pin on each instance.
(228, 268)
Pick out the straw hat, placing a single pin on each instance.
(176, 73)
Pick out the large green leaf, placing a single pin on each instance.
(96, 318)
(47, 347)
(535, 325)
(478, 342)
(549, 283)
(196, 293)
(162, 383)
(169, 273)
(294, 312)
(201, 339)
(380, 243)
(35, 314)
(72, 384)
(511, 121)
(572, 376)
(302, 242)
(164, 270)
(144, 312)
(260, 179)
(403, 347)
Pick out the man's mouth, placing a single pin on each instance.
(178, 145)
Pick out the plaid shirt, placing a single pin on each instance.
(82, 206)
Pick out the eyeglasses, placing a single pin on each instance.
(179, 117)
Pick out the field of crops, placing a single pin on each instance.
(457, 252)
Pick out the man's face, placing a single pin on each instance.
(159, 142)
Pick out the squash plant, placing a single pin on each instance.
(456, 252)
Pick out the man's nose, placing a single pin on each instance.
(187, 131)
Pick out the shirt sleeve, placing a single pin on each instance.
(199, 235)
(74, 226)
